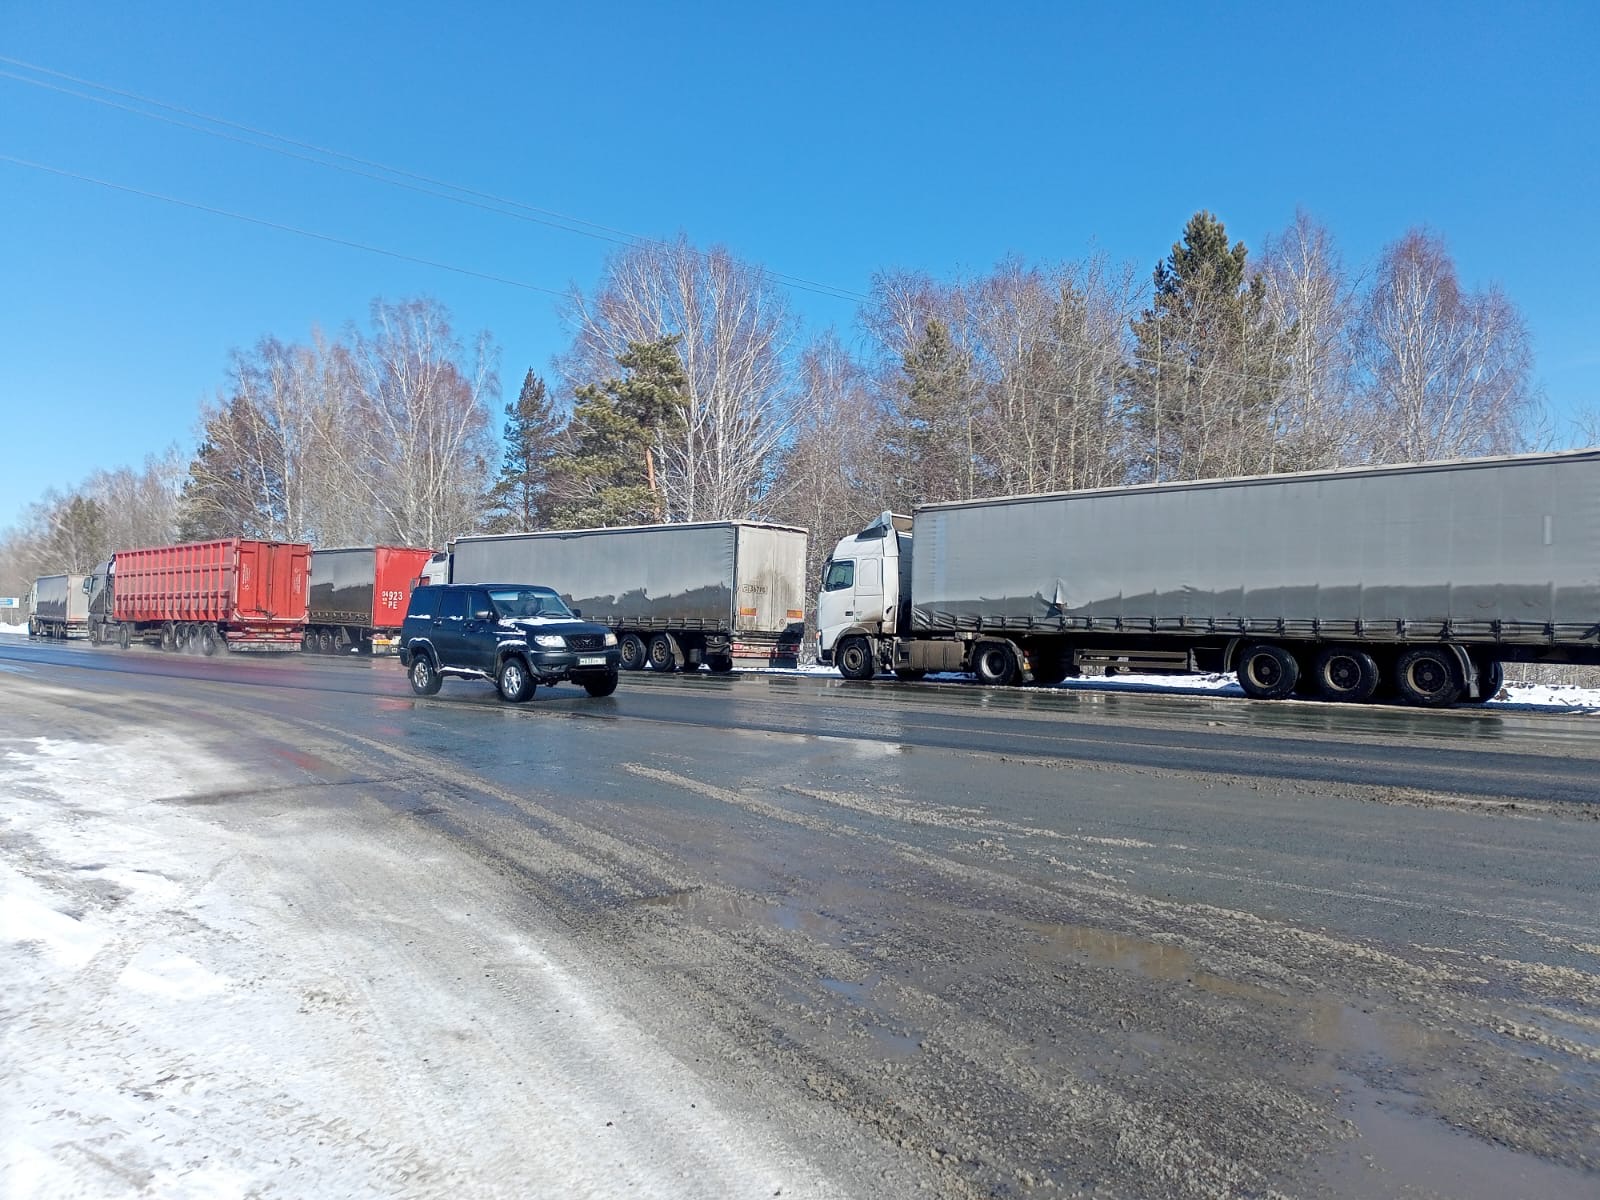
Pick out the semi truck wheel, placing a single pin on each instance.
(664, 654)
(124, 640)
(1267, 672)
(424, 679)
(208, 640)
(1346, 674)
(1428, 677)
(633, 653)
(719, 664)
(853, 657)
(910, 674)
(516, 685)
(996, 664)
(1050, 668)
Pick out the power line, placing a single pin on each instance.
(472, 197)
(306, 233)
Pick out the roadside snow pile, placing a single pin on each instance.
(1514, 695)
(13, 630)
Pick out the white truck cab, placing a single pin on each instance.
(866, 588)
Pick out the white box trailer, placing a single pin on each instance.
(1422, 577)
(678, 596)
(58, 607)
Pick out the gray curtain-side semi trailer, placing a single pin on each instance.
(58, 607)
(678, 596)
(1421, 577)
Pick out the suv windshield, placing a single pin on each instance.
(521, 603)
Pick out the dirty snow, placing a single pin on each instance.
(194, 1008)
(1516, 695)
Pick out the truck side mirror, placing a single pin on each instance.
(577, 612)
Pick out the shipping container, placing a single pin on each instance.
(235, 593)
(1422, 578)
(678, 596)
(58, 607)
(358, 597)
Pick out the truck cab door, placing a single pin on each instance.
(852, 594)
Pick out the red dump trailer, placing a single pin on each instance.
(359, 596)
(236, 593)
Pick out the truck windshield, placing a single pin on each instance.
(521, 603)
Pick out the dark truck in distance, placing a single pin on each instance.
(514, 635)
(358, 597)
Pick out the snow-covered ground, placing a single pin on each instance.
(1514, 695)
(13, 630)
(196, 1005)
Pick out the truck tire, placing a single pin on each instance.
(513, 680)
(719, 664)
(424, 679)
(1346, 674)
(325, 642)
(169, 637)
(853, 656)
(308, 641)
(208, 640)
(632, 652)
(910, 674)
(1267, 672)
(600, 685)
(996, 664)
(1050, 667)
(664, 653)
(1491, 678)
(1428, 677)
(124, 639)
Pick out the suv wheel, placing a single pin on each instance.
(516, 685)
(600, 685)
(425, 680)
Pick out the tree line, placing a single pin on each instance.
(690, 392)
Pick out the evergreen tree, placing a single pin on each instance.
(520, 499)
(234, 488)
(931, 447)
(1206, 362)
(609, 466)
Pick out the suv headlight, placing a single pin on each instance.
(550, 641)
(611, 639)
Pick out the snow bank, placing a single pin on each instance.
(1515, 695)
(13, 630)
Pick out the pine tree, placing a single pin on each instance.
(1206, 362)
(931, 448)
(609, 467)
(520, 499)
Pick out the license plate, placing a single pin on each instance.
(598, 660)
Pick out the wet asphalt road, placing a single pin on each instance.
(1088, 942)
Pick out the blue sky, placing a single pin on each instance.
(826, 141)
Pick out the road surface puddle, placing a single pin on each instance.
(1139, 956)
(1399, 1151)
(876, 1021)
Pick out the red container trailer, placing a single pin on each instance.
(359, 596)
(237, 593)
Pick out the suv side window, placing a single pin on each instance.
(423, 600)
(480, 603)
(453, 605)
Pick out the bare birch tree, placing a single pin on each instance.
(1447, 372)
(420, 449)
(734, 328)
(829, 479)
(1311, 309)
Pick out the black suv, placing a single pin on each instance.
(515, 635)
